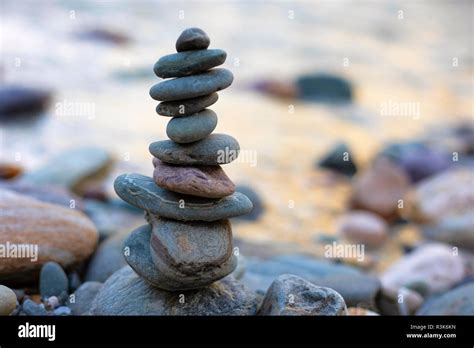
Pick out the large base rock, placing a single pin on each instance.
(125, 293)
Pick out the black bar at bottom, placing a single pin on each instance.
(257, 330)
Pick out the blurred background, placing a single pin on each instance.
(314, 81)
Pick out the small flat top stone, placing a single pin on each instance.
(192, 39)
(142, 192)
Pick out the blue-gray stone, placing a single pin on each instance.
(141, 191)
(324, 88)
(108, 258)
(335, 160)
(70, 167)
(192, 86)
(292, 295)
(216, 149)
(192, 128)
(31, 308)
(354, 286)
(18, 100)
(186, 107)
(188, 63)
(457, 230)
(459, 301)
(125, 293)
(53, 280)
(81, 302)
(258, 206)
(162, 262)
(192, 39)
(62, 311)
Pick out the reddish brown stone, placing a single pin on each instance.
(9, 170)
(201, 181)
(380, 188)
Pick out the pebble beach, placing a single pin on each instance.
(383, 159)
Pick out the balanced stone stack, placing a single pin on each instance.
(187, 243)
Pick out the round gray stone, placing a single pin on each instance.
(53, 280)
(192, 86)
(292, 295)
(459, 301)
(186, 107)
(216, 149)
(192, 39)
(164, 271)
(125, 293)
(188, 63)
(142, 192)
(81, 302)
(192, 128)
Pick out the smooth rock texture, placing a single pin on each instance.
(363, 227)
(192, 39)
(108, 258)
(301, 265)
(380, 188)
(141, 191)
(216, 149)
(339, 159)
(324, 88)
(447, 194)
(70, 167)
(192, 86)
(432, 267)
(459, 301)
(292, 295)
(53, 280)
(186, 107)
(167, 274)
(192, 128)
(63, 235)
(125, 293)
(357, 290)
(454, 230)
(423, 163)
(7, 300)
(83, 298)
(110, 218)
(354, 286)
(188, 63)
(46, 193)
(257, 203)
(192, 252)
(201, 181)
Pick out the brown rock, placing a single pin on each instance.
(202, 181)
(9, 170)
(61, 234)
(380, 188)
(363, 227)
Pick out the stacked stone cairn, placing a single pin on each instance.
(187, 243)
